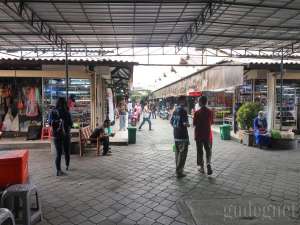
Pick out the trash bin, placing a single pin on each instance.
(131, 135)
(225, 131)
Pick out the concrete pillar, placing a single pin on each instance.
(98, 99)
(253, 89)
(93, 101)
(271, 114)
(101, 73)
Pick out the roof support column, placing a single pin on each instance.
(67, 72)
(271, 112)
(281, 88)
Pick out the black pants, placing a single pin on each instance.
(207, 147)
(105, 142)
(153, 114)
(62, 144)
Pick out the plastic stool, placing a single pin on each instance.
(6, 217)
(18, 199)
(46, 133)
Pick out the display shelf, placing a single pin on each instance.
(79, 88)
(290, 98)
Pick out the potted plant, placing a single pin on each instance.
(245, 117)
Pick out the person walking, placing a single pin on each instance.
(129, 109)
(202, 122)
(138, 108)
(180, 123)
(122, 115)
(61, 122)
(153, 110)
(146, 117)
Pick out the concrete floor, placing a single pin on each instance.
(137, 184)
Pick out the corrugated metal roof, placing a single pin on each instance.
(6, 63)
(265, 61)
(231, 24)
(75, 61)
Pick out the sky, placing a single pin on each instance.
(155, 77)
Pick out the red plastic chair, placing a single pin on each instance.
(46, 133)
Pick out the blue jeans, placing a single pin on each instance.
(122, 122)
(145, 120)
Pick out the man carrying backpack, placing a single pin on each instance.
(180, 123)
(61, 122)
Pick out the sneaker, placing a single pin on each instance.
(201, 169)
(209, 170)
(107, 154)
(67, 168)
(60, 173)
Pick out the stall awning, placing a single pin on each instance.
(213, 78)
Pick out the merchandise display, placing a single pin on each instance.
(20, 101)
(79, 101)
(261, 93)
(290, 100)
(245, 92)
(221, 104)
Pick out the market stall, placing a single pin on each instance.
(21, 104)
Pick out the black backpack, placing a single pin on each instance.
(58, 124)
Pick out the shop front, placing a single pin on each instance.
(228, 87)
(28, 95)
(263, 85)
(217, 82)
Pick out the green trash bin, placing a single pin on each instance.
(225, 131)
(131, 135)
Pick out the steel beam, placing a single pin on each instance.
(25, 13)
(187, 36)
(226, 2)
(209, 9)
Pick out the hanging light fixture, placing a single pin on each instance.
(183, 61)
(173, 70)
(159, 79)
(165, 75)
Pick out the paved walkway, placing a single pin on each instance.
(137, 184)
